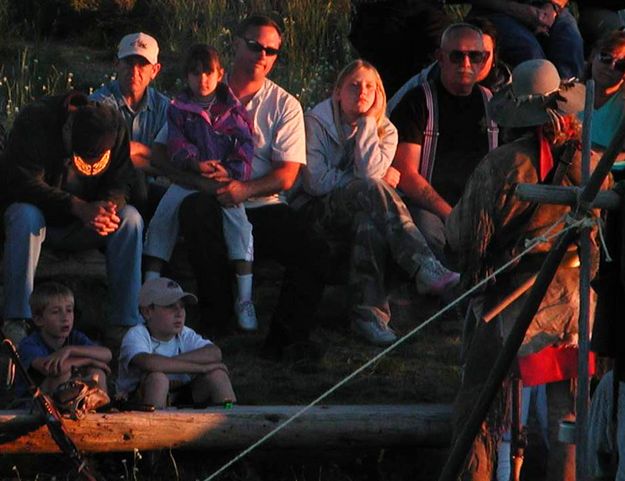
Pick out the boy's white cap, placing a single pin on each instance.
(163, 292)
(139, 44)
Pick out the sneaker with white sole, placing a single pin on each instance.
(374, 332)
(435, 279)
(246, 315)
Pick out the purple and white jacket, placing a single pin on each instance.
(223, 133)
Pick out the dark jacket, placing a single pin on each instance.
(36, 163)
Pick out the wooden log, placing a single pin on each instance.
(561, 195)
(218, 428)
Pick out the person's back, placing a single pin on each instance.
(530, 29)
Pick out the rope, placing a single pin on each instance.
(530, 244)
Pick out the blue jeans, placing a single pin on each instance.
(26, 230)
(564, 46)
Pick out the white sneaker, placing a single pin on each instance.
(374, 332)
(16, 330)
(246, 315)
(435, 279)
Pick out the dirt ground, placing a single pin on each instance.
(424, 369)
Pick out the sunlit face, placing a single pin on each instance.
(460, 77)
(57, 319)
(607, 68)
(246, 57)
(489, 48)
(134, 74)
(204, 83)
(357, 93)
(165, 322)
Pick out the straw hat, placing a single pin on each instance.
(535, 88)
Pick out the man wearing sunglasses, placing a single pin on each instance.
(67, 174)
(444, 131)
(279, 151)
(143, 107)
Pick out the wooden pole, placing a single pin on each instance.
(465, 438)
(562, 195)
(218, 428)
(583, 386)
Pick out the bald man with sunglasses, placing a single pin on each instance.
(66, 175)
(444, 132)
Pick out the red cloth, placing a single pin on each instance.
(551, 364)
(546, 158)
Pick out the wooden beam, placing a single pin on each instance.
(561, 195)
(218, 428)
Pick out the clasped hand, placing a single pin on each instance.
(232, 192)
(100, 216)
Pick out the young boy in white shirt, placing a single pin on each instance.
(163, 357)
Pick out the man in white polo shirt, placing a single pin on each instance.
(279, 151)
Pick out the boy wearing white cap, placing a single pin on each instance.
(159, 358)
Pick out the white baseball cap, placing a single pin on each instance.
(139, 44)
(163, 292)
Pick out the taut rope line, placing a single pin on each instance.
(529, 247)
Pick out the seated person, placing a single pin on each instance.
(209, 134)
(55, 350)
(596, 17)
(607, 69)
(536, 29)
(444, 130)
(66, 175)
(164, 357)
(350, 144)
(493, 74)
(143, 108)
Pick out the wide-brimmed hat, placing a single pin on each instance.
(536, 87)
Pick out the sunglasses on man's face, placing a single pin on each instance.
(475, 56)
(256, 47)
(614, 62)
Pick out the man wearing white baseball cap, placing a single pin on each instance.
(143, 107)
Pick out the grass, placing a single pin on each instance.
(425, 369)
(315, 48)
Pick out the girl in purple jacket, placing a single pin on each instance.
(208, 130)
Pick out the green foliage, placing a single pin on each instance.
(315, 42)
(27, 79)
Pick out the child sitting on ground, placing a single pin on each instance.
(163, 356)
(208, 133)
(55, 349)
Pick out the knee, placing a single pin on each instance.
(130, 218)
(156, 381)
(200, 212)
(21, 217)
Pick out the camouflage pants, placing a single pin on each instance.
(374, 220)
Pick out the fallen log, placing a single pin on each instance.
(218, 428)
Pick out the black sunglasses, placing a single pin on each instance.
(475, 56)
(254, 46)
(614, 63)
